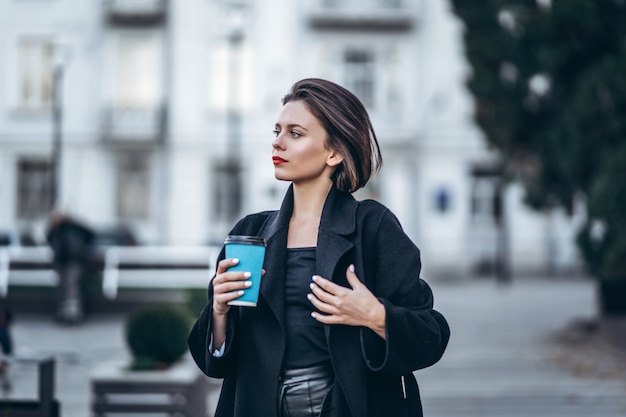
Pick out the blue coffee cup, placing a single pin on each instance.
(250, 250)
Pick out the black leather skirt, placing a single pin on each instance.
(305, 392)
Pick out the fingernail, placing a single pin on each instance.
(311, 285)
(314, 278)
(313, 314)
(248, 284)
(235, 260)
(240, 292)
(351, 267)
(247, 274)
(309, 297)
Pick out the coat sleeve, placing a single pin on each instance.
(200, 335)
(200, 338)
(416, 334)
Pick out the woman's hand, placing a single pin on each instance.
(355, 306)
(228, 285)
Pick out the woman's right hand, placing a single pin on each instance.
(228, 285)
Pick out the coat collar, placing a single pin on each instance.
(338, 214)
(338, 220)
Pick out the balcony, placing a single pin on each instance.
(136, 12)
(134, 126)
(383, 15)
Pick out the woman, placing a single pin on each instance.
(343, 318)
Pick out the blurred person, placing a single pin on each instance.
(6, 343)
(343, 317)
(72, 244)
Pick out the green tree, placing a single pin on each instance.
(549, 82)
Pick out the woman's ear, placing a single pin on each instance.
(334, 158)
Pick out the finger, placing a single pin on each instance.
(224, 264)
(327, 285)
(321, 305)
(322, 294)
(353, 280)
(325, 318)
(263, 272)
(223, 299)
(229, 296)
(230, 277)
(231, 286)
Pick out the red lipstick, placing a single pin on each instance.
(278, 160)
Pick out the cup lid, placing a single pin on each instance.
(247, 240)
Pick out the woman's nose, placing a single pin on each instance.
(277, 142)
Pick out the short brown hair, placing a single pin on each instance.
(349, 129)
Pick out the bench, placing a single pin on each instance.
(45, 406)
(29, 266)
(161, 267)
(149, 267)
(179, 391)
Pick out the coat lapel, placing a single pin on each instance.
(334, 241)
(274, 231)
(337, 222)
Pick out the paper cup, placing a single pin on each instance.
(250, 250)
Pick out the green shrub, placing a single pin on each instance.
(157, 335)
(196, 300)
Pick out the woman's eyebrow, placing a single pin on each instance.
(291, 126)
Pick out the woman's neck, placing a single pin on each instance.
(308, 200)
(308, 203)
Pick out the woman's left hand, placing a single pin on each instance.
(355, 306)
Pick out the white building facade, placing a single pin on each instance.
(160, 97)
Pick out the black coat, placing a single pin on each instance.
(70, 241)
(372, 377)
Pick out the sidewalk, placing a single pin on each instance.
(503, 359)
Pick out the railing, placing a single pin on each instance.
(133, 125)
(136, 12)
(367, 4)
(395, 15)
(158, 267)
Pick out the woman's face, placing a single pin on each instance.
(300, 154)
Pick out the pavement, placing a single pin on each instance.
(506, 356)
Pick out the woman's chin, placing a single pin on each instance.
(281, 177)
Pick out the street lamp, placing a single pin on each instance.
(236, 17)
(60, 61)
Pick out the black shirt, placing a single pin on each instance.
(306, 341)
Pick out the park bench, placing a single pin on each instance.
(157, 267)
(178, 391)
(29, 266)
(122, 267)
(44, 406)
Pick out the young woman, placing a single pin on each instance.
(343, 318)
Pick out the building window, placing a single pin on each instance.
(34, 188)
(360, 75)
(486, 202)
(135, 63)
(36, 65)
(133, 186)
(227, 196)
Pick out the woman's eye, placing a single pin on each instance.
(276, 132)
(294, 134)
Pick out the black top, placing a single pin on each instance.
(306, 341)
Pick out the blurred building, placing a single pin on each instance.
(165, 118)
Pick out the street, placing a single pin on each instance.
(502, 359)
